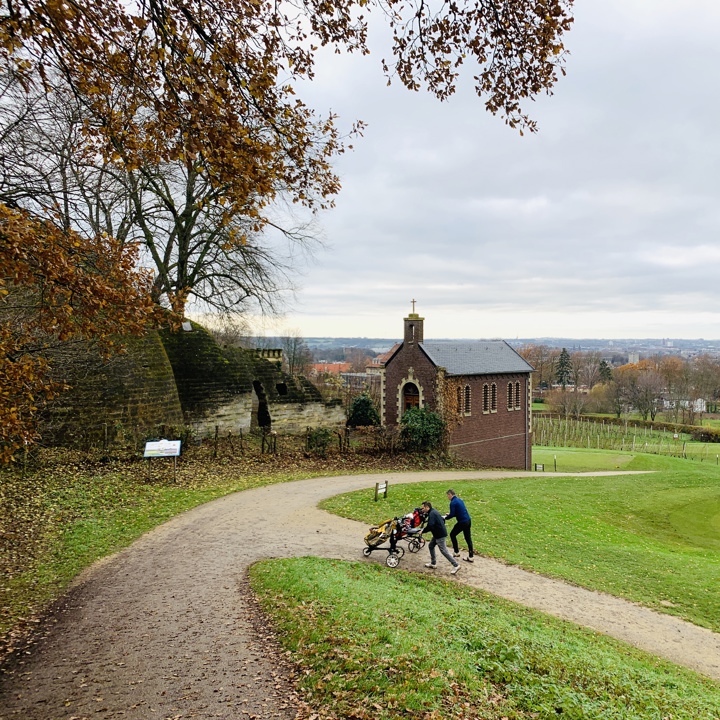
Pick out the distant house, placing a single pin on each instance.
(482, 388)
(334, 368)
(376, 365)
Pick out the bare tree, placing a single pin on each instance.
(297, 356)
(201, 247)
(647, 391)
(590, 368)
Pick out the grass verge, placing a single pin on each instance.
(653, 538)
(382, 644)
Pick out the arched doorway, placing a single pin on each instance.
(260, 417)
(410, 396)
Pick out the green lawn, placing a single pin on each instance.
(578, 460)
(381, 644)
(653, 538)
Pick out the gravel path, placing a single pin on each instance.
(165, 629)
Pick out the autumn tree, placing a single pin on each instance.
(213, 85)
(210, 90)
(567, 403)
(57, 288)
(542, 358)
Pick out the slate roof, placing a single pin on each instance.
(482, 357)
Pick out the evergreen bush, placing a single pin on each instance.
(363, 412)
(423, 430)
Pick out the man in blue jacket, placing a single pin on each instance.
(462, 525)
(436, 526)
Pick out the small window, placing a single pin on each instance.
(493, 398)
(468, 406)
(459, 401)
(486, 398)
(517, 396)
(281, 388)
(510, 397)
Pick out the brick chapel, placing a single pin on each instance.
(482, 388)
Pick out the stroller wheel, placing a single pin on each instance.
(400, 550)
(367, 551)
(413, 546)
(393, 560)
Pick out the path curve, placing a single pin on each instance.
(161, 630)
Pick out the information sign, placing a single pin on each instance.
(162, 448)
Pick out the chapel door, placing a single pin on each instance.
(411, 396)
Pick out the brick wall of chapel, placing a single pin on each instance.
(494, 439)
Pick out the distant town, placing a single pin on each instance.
(625, 350)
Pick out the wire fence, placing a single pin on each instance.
(130, 439)
(599, 435)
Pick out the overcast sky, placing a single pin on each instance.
(603, 224)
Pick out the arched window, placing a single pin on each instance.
(459, 401)
(411, 396)
(517, 396)
(510, 397)
(486, 398)
(493, 398)
(468, 406)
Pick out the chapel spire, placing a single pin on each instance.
(413, 326)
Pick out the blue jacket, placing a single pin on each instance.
(458, 511)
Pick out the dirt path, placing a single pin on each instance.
(164, 629)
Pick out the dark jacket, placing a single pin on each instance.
(458, 511)
(435, 525)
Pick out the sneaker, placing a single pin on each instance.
(432, 566)
(454, 570)
(468, 559)
(456, 554)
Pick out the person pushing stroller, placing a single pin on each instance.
(462, 525)
(436, 526)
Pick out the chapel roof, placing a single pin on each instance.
(480, 357)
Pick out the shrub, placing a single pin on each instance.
(423, 430)
(363, 412)
(318, 440)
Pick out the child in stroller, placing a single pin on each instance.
(408, 527)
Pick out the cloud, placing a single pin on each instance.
(605, 223)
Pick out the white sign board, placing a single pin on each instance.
(162, 448)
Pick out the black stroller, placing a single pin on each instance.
(408, 527)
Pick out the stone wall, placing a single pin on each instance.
(122, 399)
(168, 381)
(236, 390)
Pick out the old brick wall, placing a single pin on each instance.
(493, 439)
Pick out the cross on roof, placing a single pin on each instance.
(413, 304)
